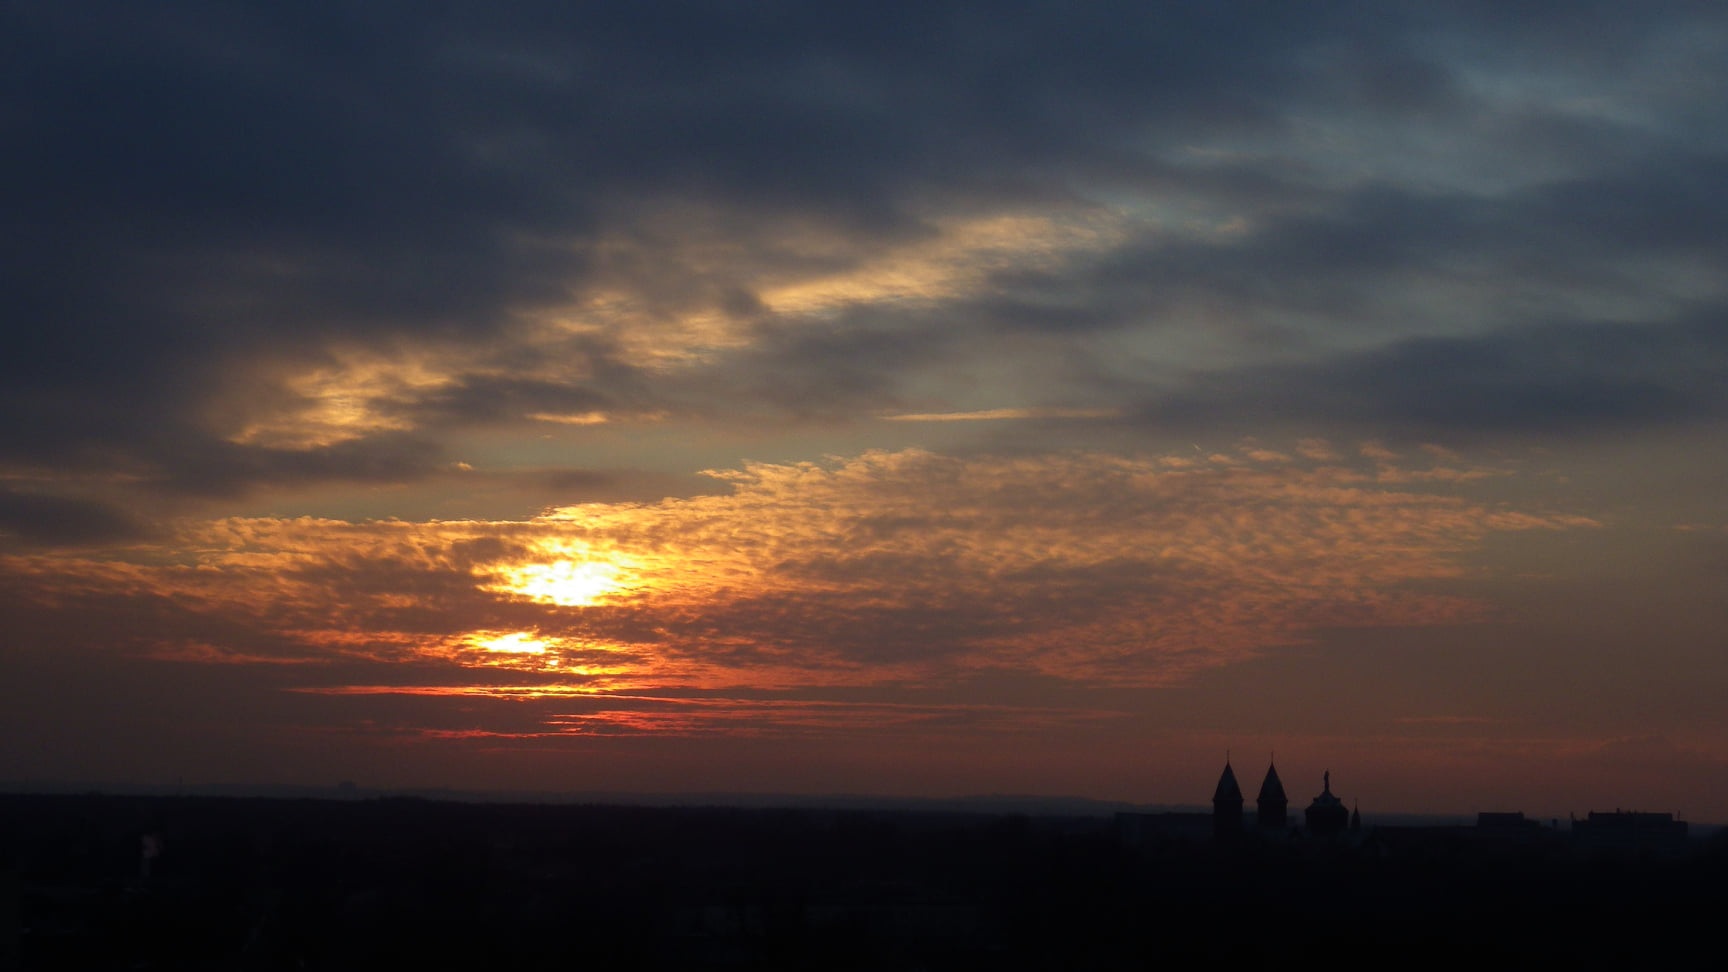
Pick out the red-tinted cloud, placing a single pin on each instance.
(906, 568)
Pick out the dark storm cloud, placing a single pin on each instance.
(32, 518)
(1375, 261)
(1352, 253)
(206, 467)
(1559, 378)
(204, 196)
(481, 398)
(194, 188)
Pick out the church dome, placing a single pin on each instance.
(1327, 814)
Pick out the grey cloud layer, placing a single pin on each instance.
(1461, 217)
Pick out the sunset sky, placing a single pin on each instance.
(913, 400)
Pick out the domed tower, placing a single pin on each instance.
(1227, 805)
(1272, 805)
(1327, 815)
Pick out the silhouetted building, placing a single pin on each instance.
(1630, 830)
(1227, 805)
(1509, 829)
(1327, 815)
(1272, 806)
(1503, 824)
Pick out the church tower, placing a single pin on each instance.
(1326, 815)
(1227, 805)
(1272, 806)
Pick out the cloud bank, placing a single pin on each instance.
(250, 248)
(886, 569)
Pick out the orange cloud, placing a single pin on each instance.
(888, 568)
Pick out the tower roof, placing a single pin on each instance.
(1326, 799)
(1272, 789)
(1227, 788)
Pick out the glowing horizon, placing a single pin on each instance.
(1042, 401)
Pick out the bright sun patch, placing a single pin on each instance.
(567, 583)
(515, 643)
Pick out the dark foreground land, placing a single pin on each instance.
(399, 883)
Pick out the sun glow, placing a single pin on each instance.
(515, 643)
(567, 583)
(600, 666)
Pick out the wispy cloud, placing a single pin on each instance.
(1004, 414)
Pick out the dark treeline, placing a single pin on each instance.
(102, 882)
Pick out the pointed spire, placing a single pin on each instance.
(1271, 806)
(1227, 805)
(1272, 788)
(1228, 789)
